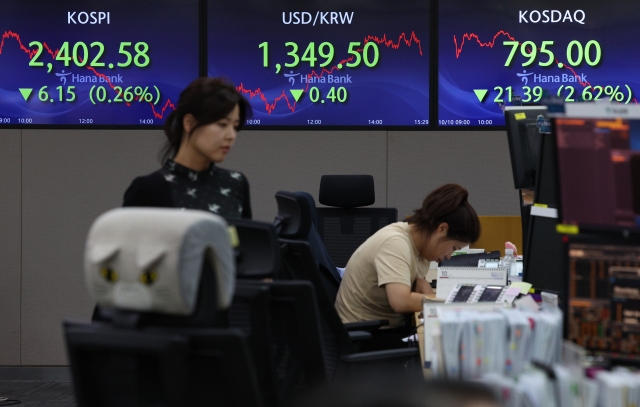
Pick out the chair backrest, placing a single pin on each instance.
(99, 357)
(292, 207)
(315, 241)
(300, 355)
(257, 253)
(289, 326)
(251, 313)
(346, 225)
(147, 268)
(112, 367)
(280, 317)
(299, 264)
(294, 218)
(347, 191)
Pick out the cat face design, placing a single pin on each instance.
(149, 259)
(129, 278)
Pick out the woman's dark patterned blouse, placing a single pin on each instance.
(220, 191)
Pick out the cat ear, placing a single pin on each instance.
(149, 255)
(100, 253)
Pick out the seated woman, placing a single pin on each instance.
(385, 276)
(200, 133)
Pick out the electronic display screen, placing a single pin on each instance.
(348, 63)
(464, 293)
(604, 299)
(490, 294)
(492, 53)
(88, 63)
(599, 171)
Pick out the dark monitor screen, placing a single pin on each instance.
(599, 172)
(464, 293)
(351, 63)
(524, 143)
(546, 191)
(604, 299)
(544, 257)
(95, 63)
(490, 294)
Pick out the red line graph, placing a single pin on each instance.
(471, 36)
(270, 106)
(490, 44)
(390, 43)
(31, 53)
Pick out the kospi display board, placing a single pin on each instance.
(492, 53)
(95, 63)
(316, 64)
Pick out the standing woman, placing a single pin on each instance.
(200, 133)
(385, 276)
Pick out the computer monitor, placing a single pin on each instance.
(544, 266)
(524, 143)
(544, 251)
(546, 191)
(604, 297)
(599, 172)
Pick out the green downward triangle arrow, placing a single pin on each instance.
(480, 93)
(296, 93)
(25, 93)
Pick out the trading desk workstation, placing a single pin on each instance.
(581, 261)
(564, 321)
(556, 325)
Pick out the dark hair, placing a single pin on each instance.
(448, 204)
(208, 100)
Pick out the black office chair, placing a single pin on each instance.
(295, 220)
(280, 319)
(339, 354)
(160, 279)
(347, 225)
(315, 240)
(280, 316)
(292, 222)
(258, 252)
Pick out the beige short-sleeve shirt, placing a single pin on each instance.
(389, 256)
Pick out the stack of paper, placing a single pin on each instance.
(574, 390)
(537, 389)
(618, 389)
(519, 339)
(468, 350)
(547, 337)
(473, 343)
(491, 344)
(506, 388)
(451, 328)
